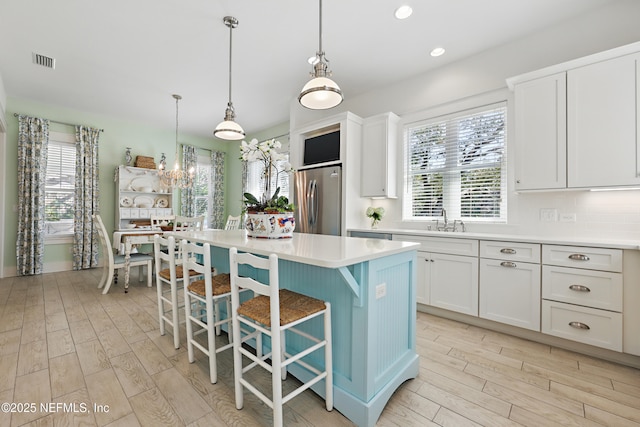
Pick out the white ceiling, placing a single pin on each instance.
(124, 58)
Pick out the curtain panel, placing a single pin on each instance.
(188, 195)
(85, 242)
(217, 178)
(33, 141)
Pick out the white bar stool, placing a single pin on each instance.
(272, 312)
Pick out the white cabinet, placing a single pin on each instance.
(582, 291)
(447, 273)
(577, 125)
(139, 195)
(541, 133)
(602, 106)
(510, 283)
(379, 155)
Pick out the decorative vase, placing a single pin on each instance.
(270, 225)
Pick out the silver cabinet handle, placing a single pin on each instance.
(508, 264)
(579, 325)
(579, 257)
(508, 251)
(579, 288)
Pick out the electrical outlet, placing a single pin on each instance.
(548, 215)
(568, 217)
(381, 290)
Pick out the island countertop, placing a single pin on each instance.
(313, 249)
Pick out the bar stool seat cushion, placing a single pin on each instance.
(166, 273)
(293, 306)
(221, 284)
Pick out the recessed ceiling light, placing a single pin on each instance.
(437, 51)
(403, 12)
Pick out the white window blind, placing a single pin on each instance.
(60, 187)
(457, 163)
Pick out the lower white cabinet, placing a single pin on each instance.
(510, 292)
(449, 282)
(600, 328)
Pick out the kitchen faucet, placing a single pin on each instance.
(447, 226)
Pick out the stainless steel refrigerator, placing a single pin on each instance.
(318, 199)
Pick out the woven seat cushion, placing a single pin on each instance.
(293, 306)
(166, 273)
(221, 284)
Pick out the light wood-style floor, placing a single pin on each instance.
(65, 345)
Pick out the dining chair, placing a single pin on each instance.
(188, 223)
(233, 223)
(271, 312)
(169, 281)
(116, 262)
(204, 300)
(158, 221)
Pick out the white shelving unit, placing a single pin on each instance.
(140, 194)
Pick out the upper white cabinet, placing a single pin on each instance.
(139, 195)
(541, 133)
(379, 155)
(602, 117)
(577, 123)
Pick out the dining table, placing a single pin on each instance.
(125, 240)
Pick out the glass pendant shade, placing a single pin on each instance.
(320, 93)
(228, 129)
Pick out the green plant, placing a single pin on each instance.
(279, 204)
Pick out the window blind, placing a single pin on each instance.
(60, 187)
(458, 163)
(256, 179)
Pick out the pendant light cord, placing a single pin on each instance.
(230, 52)
(320, 29)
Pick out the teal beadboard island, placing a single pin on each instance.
(371, 286)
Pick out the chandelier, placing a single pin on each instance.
(320, 93)
(175, 177)
(228, 128)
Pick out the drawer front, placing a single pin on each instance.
(582, 257)
(442, 245)
(599, 328)
(597, 289)
(513, 251)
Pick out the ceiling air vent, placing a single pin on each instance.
(45, 61)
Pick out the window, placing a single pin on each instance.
(457, 163)
(60, 185)
(203, 187)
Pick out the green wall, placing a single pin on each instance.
(118, 134)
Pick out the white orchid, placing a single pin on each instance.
(273, 161)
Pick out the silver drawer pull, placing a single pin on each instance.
(579, 325)
(508, 251)
(579, 257)
(508, 264)
(579, 288)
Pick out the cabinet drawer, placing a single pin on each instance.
(599, 328)
(597, 289)
(442, 245)
(583, 257)
(512, 251)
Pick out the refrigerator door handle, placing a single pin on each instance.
(312, 202)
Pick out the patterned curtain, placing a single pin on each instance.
(85, 243)
(217, 178)
(33, 141)
(188, 200)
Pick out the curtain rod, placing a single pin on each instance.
(60, 123)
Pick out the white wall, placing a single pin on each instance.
(611, 214)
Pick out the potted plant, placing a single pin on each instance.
(271, 215)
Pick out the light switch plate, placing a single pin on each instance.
(548, 215)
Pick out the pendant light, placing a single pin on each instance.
(176, 177)
(320, 93)
(228, 128)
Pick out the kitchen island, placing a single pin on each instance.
(371, 287)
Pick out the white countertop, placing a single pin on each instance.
(571, 241)
(312, 249)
